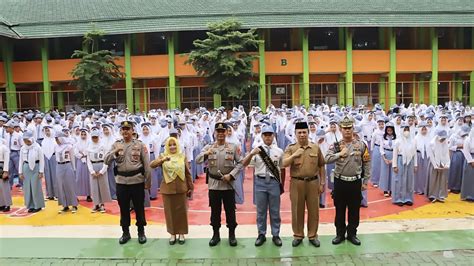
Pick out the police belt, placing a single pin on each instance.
(306, 178)
(65, 162)
(348, 178)
(131, 173)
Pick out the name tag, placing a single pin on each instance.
(66, 156)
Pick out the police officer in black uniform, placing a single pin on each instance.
(132, 175)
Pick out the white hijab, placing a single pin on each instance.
(31, 149)
(48, 145)
(407, 147)
(422, 143)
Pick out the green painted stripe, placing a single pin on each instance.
(349, 92)
(434, 67)
(262, 96)
(392, 76)
(305, 42)
(171, 72)
(47, 96)
(198, 248)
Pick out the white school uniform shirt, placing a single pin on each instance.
(14, 141)
(468, 148)
(35, 154)
(276, 155)
(96, 153)
(386, 144)
(4, 156)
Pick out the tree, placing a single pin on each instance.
(223, 58)
(96, 71)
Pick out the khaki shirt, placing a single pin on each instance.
(225, 158)
(133, 157)
(356, 163)
(309, 163)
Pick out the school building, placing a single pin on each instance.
(312, 51)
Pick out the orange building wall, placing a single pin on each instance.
(182, 70)
(413, 61)
(327, 62)
(3, 79)
(27, 72)
(456, 60)
(273, 62)
(149, 66)
(371, 61)
(157, 83)
(187, 82)
(59, 69)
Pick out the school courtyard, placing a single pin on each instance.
(422, 234)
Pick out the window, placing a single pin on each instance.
(281, 94)
(324, 39)
(404, 93)
(366, 94)
(247, 101)
(443, 92)
(365, 39)
(195, 97)
(323, 93)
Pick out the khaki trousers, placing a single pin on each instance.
(304, 193)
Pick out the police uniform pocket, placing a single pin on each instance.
(135, 154)
(229, 159)
(212, 159)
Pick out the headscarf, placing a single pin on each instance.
(175, 167)
(30, 149)
(48, 144)
(407, 147)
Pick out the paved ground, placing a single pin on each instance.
(449, 257)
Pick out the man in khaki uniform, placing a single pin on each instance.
(306, 163)
(351, 176)
(132, 175)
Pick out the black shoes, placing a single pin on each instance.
(338, 240)
(181, 240)
(216, 238)
(409, 203)
(125, 238)
(6, 209)
(232, 241)
(315, 242)
(322, 206)
(89, 199)
(296, 242)
(260, 240)
(34, 210)
(141, 238)
(277, 241)
(354, 240)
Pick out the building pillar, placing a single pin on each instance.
(305, 45)
(136, 96)
(47, 96)
(349, 91)
(60, 96)
(262, 95)
(7, 52)
(421, 91)
(340, 86)
(171, 72)
(392, 75)
(382, 92)
(217, 99)
(128, 73)
(434, 67)
(458, 89)
(269, 90)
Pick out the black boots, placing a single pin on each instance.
(216, 238)
(232, 239)
(125, 236)
(141, 235)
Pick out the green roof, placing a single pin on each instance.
(61, 18)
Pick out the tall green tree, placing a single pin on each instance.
(223, 58)
(96, 71)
